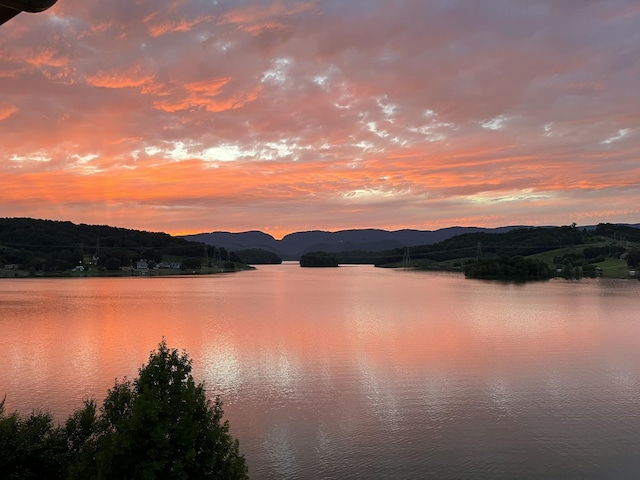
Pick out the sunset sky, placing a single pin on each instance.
(189, 116)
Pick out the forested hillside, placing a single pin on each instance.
(525, 253)
(47, 246)
(521, 241)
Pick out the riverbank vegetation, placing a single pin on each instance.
(508, 268)
(160, 426)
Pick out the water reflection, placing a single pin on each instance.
(356, 372)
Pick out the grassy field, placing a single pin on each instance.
(613, 268)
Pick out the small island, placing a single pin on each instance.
(258, 256)
(318, 259)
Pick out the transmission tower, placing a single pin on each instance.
(406, 259)
(97, 253)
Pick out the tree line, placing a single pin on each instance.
(509, 268)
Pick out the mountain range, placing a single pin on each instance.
(292, 246)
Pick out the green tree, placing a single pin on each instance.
(152, 255)
(31, 447)
(82, 430)
(192, 263)
(121, 254)
(162, 426)
(508, 268)
(633, 257)
(112, 264)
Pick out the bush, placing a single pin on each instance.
(31, 447)
(160, 426)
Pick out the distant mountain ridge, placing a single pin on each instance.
(28, 234)
(294, 245)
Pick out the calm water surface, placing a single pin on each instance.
(357, 372)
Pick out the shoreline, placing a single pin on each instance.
(23, 274)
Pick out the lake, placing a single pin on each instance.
(356, 372)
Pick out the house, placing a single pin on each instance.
(142, 265)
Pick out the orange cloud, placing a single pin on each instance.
(131, 78)
(46, 57)
(209, 94)
(6, 110)
(288, 114)
(182, 25)
(251, 16)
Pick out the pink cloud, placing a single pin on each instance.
(172, 26)
(291, 115)
(132, 78)
(6, 110)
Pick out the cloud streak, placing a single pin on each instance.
(191, 115)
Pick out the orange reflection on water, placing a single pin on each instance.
(261, 331)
